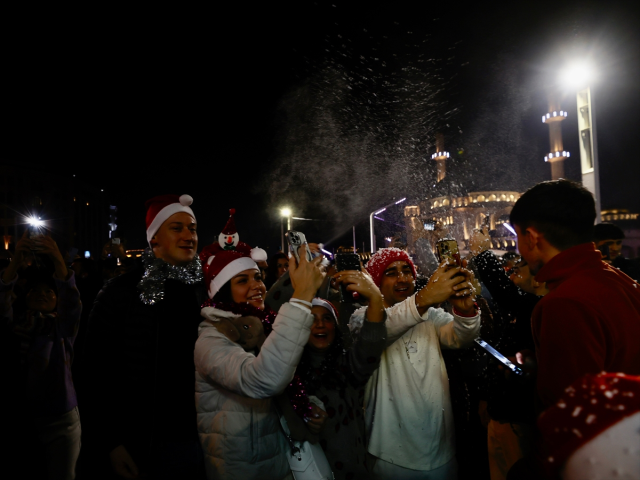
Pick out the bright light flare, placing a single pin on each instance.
(578, 75)
(401, 200)
(285, 212)
(509, 227)
(35, 222)
(379, 211)
(327, 253)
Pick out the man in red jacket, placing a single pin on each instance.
(589, 321)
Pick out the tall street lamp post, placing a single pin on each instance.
(580, 77)
(284, 212)
(371, 226)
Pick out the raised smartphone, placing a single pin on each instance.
(296, 240)
(348, 261)
(501, 358)
(448, 249)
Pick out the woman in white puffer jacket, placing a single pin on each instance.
(238, 425)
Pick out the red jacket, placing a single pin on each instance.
(589, 321)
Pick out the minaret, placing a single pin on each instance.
(557, 154)
(440, 156)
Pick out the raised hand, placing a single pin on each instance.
(443, 284)
(362, 283)
(306, 277)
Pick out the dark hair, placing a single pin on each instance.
(272, 268)
(562, 210)
(607, 231)
(224, 294)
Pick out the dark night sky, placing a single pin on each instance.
(215, 103)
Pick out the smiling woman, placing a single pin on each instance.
(238, 426)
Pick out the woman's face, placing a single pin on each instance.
(41, 298)
(283, 266)
(247, 287)
(323, 330)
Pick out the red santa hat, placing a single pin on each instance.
(230, 227)
(385, 257)
(220, 266)
(573, 428)
(160, 208)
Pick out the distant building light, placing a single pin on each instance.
(87, 253)
(551, 155)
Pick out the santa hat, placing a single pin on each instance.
(220, 266)
(383, 258)
(160, 208)
(230, 227)
(321, 302)
(573, 428)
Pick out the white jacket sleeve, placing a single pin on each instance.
(453, 331)
(223, 362)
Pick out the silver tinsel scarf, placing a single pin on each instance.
(157, 271)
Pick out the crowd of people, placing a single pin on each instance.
(221, 363)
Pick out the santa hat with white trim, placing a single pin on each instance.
(160, 208)
(321, 302)
(220, 266)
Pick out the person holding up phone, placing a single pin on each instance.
(337, 374)
(238, 425)
(408, 396)
(37, 346)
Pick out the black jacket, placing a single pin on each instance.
(508, 400)
(138, 377)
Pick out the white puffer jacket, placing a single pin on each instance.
(238, 426)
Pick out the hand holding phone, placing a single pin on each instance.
(296, 240)
(448, 250)
(347, 262)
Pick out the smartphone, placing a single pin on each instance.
(35, 232)
(448, 249)
(296, 240)
(504, 360)
(115, 241)
(348, 261)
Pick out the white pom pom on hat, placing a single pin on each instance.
(259, 255)
(186, 200)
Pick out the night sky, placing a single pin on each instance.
(328, 107)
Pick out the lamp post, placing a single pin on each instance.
(579, 76)
(284, 212)
(371, 227)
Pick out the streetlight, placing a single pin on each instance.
(380, 210)
(284, 212)
(579, 76)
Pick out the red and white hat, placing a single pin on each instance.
(160, 208)
(383, 258)
(321, 302)
(220, 266)
(573, 430)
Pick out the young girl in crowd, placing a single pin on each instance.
(337, 378)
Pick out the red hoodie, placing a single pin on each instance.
(589, 321)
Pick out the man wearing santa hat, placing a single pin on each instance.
(139, 371)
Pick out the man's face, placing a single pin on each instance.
(397, 283)
(176, 240)
(615, 247)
